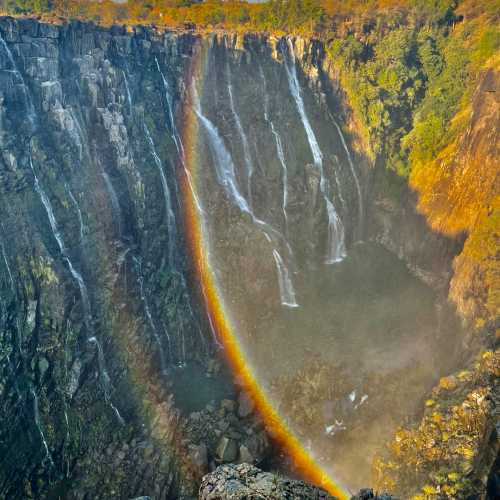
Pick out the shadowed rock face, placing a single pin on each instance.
(99, 307)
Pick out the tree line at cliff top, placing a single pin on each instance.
(303, 16)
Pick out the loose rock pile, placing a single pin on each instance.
(229, 432)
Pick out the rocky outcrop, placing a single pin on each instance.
(245, 482)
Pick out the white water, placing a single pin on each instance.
(177, 139)
(58, 237)
(243, 137)
(287, 291)
(169, 212)
(7, 266)
(279, 149)
(224, 166)
(78, 211)
(336, 243)
(76, 133)
(168, 96)
(339, 187)
(81, 285)
(226, 176)
(15, 70)
(149, 316)
(38, 425)
(105, 377)
(127, 90)
(115, 204)
(353, 170)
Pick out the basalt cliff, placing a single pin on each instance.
(107, 324)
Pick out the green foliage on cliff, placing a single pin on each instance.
(406, 84)
(26, 6)
(448, 454)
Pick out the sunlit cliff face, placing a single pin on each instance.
(168, 197)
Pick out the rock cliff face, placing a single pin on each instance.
(99, 305)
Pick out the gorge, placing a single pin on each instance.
(201, 265)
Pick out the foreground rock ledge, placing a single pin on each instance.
(246, 482)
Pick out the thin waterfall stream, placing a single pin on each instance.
(226, 175)
(279, 147)
(167, 197)
(82, 287)
(336, 240)
(244, 141)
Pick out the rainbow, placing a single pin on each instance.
(305, 464)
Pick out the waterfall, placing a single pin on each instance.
(36, 413)
(336, 242)
(224, 166)
(7, 266)
(226, 176)
(149, 316)
(115, 204)
(168, 97)
(58, 237)
(287, 291)
(106, 379)
(337, 183)
(15, 70)
(177, 139)
(76, 133)
(127, 90)
(353, 171)
(78, 211)
(279, 149)
(81, 284)
(244, 140)
(169, 212)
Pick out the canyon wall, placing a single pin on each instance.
(100, 304)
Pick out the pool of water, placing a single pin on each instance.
(354, 361)
(193, 388)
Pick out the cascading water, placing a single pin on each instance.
(287, 291)
(81, 285)
(78, 211)
(353, 171)
(168, 97)
(7, 266)
(58, 237)
(38, 425)
(279, 148)
(106, 379)
(115, 204)
(169, 212)
(147, 310)
(226, 176)
(14, 69)
(337, 183)
(243, 137)
(336, 240)
(127, 90)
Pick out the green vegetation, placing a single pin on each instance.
(446, 456)
(405, 85)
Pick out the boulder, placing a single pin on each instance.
(227, 450)
(199, 458)
(244, 481)
(245, 405)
